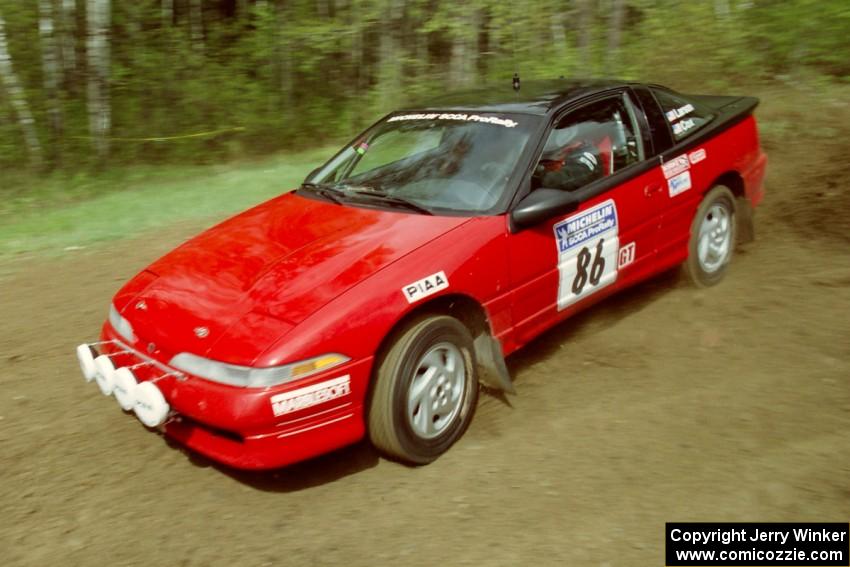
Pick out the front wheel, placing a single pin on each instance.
(425, 390)
(712, 238)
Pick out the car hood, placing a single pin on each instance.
(283, 259)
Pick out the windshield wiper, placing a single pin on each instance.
(389, 199)
(326, 191)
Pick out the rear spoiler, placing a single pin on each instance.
(727, 105)
(729, 110)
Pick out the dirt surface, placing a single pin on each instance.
(665, 403)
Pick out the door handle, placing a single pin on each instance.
(651, 190)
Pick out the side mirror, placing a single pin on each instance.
(543, 204)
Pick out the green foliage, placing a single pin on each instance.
(58, 212)
(294, 74)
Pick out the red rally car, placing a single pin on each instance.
(375, 298)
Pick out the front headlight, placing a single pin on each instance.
(247, 377)
(121, 325)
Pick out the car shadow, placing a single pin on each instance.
(362, 456)
(609, 311)
(318, 471)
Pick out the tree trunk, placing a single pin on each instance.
(50, 73)
(284, 59)
(69, 42)
(559, 38)
(358, 46)
(167, 13)
(196, 24)
(585, 24)
(100, 116)
(464, 54)
(721, 8)
(389, 64)
(614, 31)
(18, 99)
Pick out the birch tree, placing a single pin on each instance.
(18, 99)
(98, 14)
(69, 43)
(50, 70)
(389, 60)
(615, 28)
(585, 23)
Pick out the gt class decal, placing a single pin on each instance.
(627, 255)
(310, 396)
(428, 285)
(588, 246)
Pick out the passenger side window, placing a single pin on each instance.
(589, 144)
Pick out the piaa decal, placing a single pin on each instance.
(429, 285)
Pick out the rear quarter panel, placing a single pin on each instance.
(735, 149)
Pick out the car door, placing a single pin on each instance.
(571, 260)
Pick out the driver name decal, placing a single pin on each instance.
(587, 245)
(429, 285)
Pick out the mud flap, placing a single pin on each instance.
(491, 364)
(746, 229)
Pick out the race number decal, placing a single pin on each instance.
(588, 245)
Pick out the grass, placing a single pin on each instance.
(56, 213)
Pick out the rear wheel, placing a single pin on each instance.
(425, 390)
(712, 239)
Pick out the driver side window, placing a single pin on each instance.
(589, 144)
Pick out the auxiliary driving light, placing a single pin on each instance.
(104, 374)
(150, 405)
(124, 388)
(84, 356)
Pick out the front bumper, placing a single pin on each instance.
(239, 427)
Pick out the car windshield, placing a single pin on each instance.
(429, 162)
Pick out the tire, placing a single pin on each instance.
(712, 240)
(412, 379)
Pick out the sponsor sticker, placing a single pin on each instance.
(626, 256)
(428, 285)
(683, 126)
(676, 113)
(310, 396)
(676, 166)
(679, 184)
(697, 156)
(587, 245)
(496, 120)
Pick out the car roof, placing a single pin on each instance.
(533, 97)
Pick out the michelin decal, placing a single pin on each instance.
(588, 246)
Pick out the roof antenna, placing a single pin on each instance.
(516, 82)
